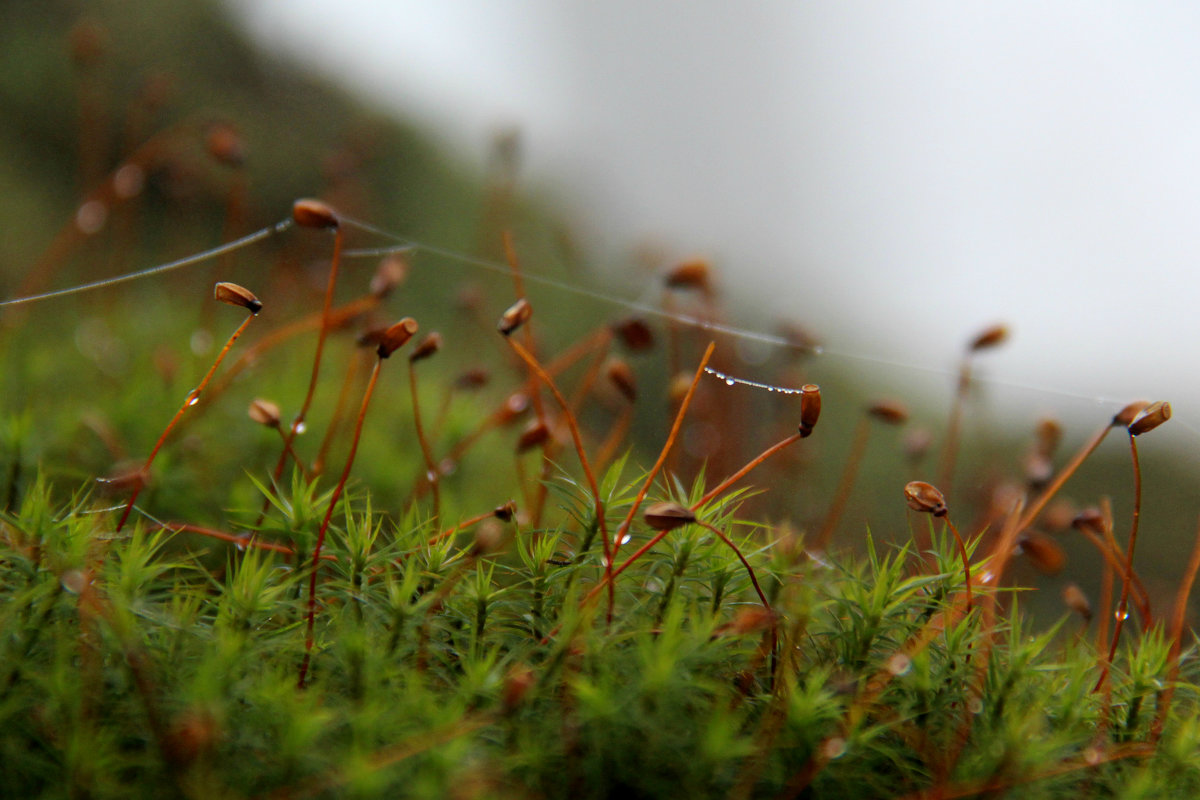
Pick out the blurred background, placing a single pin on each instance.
(895, 176)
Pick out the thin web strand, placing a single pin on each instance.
(187, 261)
(732, 381)
(745, 334)
(406, 245)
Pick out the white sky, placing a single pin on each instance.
(900, 174)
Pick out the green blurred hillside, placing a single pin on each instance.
(146, 65)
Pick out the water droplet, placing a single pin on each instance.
(74, 581)
(90, 217)
(301, 427)
(192, 399)
(899, 664)
(431, 475)
(1120, 615)
(975, 705)
(818, 350)
(240, 544)
(625, 539)
(730, 381)
(834, 748)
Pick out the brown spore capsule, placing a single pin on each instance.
(668, 516)
(393, 338)
(889, 411)
(635, 334)
(391, 272)
(1044, 553)
(514, 406)
(506, 512)
(264, 412)
(310, 213)
(989, 337)
(621, 376)
(474, 378)
(1151, 417)
(236, 295)
(810, 408)
(535, 434)
(926, 498)
(691, 274)
(1048, 435)
(1090, 519)
(427, 347)
(514, 317)
(1077, 601)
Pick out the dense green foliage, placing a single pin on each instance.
(455, 669)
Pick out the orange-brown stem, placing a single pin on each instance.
(1036, 507)
(432, 475)
(666, 449)
(188, 402)
(326, 318)
(446, 534)
(337, 493)
(1114, 558)
(962, 551)
(596, 340)
(1106, 584)
(954, 428)
(339, 409)
(287, 448)
(252, 354)
(542, 488)
(749, 569)
(1176, 634)
(744, 471)
(240, 541)
(573, 426)
(1127, 574)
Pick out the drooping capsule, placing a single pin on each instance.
(393, 338)
(514, 317)
(1151, 417)
(310, 213)
(236, 295)
(667, 516)
(926, 498)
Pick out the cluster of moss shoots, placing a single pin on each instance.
(616, 630)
